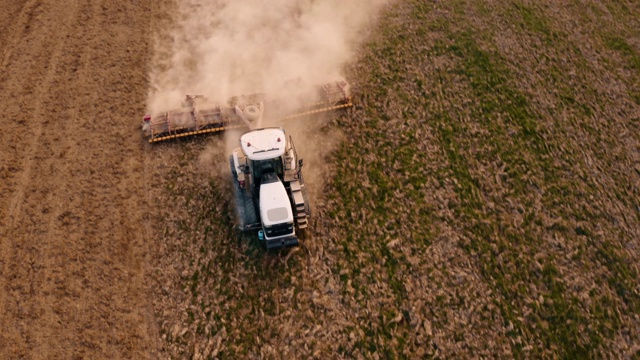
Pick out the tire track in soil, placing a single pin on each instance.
(17, 92)
(33, 66)
(74, 253)
(13, 19)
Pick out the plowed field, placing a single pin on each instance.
(74, 252)
(482, 200)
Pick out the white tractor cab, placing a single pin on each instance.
(269, 188)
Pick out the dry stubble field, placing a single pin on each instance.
(482, 200)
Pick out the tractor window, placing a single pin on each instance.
(261, 167)
(277, 214)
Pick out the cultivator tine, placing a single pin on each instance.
(196, 117)
(317, 111)
(334, 96)
(197, 132)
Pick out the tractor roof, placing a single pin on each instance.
(263, 144)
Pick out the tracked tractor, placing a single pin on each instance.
(269, 189)
(270, 194)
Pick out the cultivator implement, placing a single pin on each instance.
(335, 96)
(198, 116)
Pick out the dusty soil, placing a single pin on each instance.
(484, 202)
(74, 252)
(480, 201)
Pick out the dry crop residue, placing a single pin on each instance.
(483, 203)
(479, 205)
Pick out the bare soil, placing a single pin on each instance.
(482, 200)
(74, 249)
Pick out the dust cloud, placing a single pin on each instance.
(227, 48)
